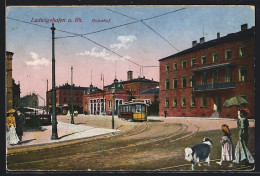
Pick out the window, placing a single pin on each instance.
(167, 84)
(228, 54)
(203, 60)
(192, 101)
(166, 102)
(192, 81)
(184, 64)
(242, 51)
(175, 102)
(203, 100)
(228, 75)
(204, 78)
(174, 66)
(215, 57)
(175, 86)
(183, 81)
(215, 76)
(193, 62)
(167, 68)
(183, 101)
(64, 100)
(242, 74)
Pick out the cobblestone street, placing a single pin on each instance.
(156, 145)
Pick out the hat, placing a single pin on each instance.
(225, 128)
(10, 111)
(245, 111)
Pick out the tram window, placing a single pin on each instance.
(133, 108)
(138, 108)
(130, 109)
(126, 110)
(143, 108)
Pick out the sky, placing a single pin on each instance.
(110, 52)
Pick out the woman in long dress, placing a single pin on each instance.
(11, 137)
(226, 145)
(241, 151)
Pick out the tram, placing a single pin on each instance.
(134, 111)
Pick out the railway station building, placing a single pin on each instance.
(100, 102)
(197, 81)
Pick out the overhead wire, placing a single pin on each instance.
(80, 36)
(142, 21)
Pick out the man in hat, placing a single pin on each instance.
(20, 121)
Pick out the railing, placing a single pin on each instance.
(226, 85)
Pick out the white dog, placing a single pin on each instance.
(199, 152)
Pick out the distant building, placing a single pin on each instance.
(197, 81)
(63, 95)
(100, 102)
(30, 100)
(150, 95)
(12, 89)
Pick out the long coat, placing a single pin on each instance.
(20, 121)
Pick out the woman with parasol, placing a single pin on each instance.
(241, 151)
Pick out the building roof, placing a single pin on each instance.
(226, 39)
(154, 90)
(68, 86)
(115, 84)
(139, 80)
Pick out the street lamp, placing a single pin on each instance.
(71, 99)
(113, 106)
(53, 92)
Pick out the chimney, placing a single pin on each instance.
(244, 27)
(129, 75)
(202, 40)
(218, 35)
(194, 43)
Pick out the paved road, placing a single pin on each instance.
(157, 144)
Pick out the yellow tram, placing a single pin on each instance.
(134, 111)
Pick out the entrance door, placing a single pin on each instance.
(218, 103)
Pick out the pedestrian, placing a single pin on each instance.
(242, 153)
(165, 113)
(226, 145)
(20, 121)
(11, 137)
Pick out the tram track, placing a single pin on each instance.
(133, 131)
(88, 154)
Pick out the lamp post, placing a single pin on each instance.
(71, 99)
(53, 92)
(113, 107)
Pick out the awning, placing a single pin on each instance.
(214, 66)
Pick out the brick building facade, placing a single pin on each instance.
(12, 89)
(197, 81)
(63, 95)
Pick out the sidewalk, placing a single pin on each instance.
(66, 132)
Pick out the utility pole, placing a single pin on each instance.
(53, 92)
(47, 102)
(71, 98)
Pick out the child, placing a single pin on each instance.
(226, 145)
